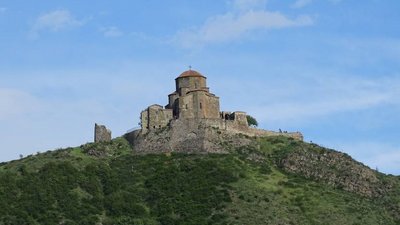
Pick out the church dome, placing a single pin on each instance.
(191, 73)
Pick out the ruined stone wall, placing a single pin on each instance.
(240, 119)
(155, 117)
(144, 119)
(266, 133)
(234, 127)
(101, 133)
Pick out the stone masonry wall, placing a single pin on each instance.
(101, 133)
(236, 127)
(199, 104)
(155, 117)
(186, 137)
(196, 136)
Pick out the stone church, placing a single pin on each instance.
(192, 122)
(191, 99)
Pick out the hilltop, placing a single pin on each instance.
(192, 121)
(270, 180)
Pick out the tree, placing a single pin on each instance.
(252, 121)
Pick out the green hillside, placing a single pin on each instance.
(272, 181)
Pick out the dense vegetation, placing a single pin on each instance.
(106, 184)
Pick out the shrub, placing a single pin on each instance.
(252, 121)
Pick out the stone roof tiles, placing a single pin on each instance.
(191, 73)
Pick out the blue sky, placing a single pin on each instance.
(327, 68)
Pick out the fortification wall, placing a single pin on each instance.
(186, 135)
(197, 136)
(155, 117)
(237, 127)
(267, 133)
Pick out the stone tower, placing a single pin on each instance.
(101, 133)
(192, 98)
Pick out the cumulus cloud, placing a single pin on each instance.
(111, 32)
(301, 3)
(55, 21)
(247, 17)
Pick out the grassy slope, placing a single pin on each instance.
(105, 183)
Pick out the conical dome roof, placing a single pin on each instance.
(191, 73)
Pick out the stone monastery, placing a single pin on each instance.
(191, 100)
(191, 121)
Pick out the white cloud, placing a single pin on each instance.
(301, 3)
(111, 31)
(233, 25)
(304, 99)
(55, 21)
(15, 102)
(66, 104)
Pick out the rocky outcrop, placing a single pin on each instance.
(336, 169)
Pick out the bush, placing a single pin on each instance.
(252, 121)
